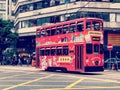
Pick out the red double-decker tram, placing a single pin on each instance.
(75, 45)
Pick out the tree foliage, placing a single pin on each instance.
(7, 37)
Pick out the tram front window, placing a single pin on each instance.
(96, 48)
(89, 48)
(96, 25)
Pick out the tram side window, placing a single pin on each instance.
(65, 29)
(47, 52)
(37, 34)
(89, 48)
(88, 25)
(42, 34)
(47, 32)
(42, 52)
(65, 50)
(80, 27)
(53, 51)
(53, 31)
(59, 30)
(96, 48)
(59, 50)
(72, 28)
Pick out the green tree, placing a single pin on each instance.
(7, 37)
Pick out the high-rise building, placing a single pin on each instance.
(29, 14)
(6, 9)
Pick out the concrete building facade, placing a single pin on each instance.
(29, 14)
(6, 9)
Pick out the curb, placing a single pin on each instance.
(22, 68)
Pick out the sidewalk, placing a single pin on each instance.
(17, 67)
(112, 70)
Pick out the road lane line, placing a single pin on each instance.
(100, 87)
(104, 80)
(12, 76)
(97, 87)
(82, 88)
(31, 81)
(15, 76)
(74, 83)
(98, 79)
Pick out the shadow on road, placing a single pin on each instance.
(77, 73)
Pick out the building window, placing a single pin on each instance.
(45, 20)
(106, 16)
(112, 17)
(25, 24)
(57, 19)
(39, 22)
(23, 8)
(2, 6)
(46, 3)
(102, 15)
(117, 17)
(38, 5)
(52, 2)
(32, 23)
(72, 16)
(42, 21)
(30, 6)
(62, 1)
(117, 1)
(1, 15)
(57, 2)
(52, 19)
(67, 1)
(77, 0)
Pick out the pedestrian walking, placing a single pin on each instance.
(28, 60)
(13, 61)
(20, 61)
(116, 61)
(116, 64)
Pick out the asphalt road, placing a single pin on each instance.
(30, 78)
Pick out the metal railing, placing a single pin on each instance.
(112, 64)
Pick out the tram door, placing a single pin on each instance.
(78, 57)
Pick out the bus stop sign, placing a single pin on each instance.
(109, 46)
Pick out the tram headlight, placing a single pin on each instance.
(102, 60)
(96, 62)
(87, 60)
